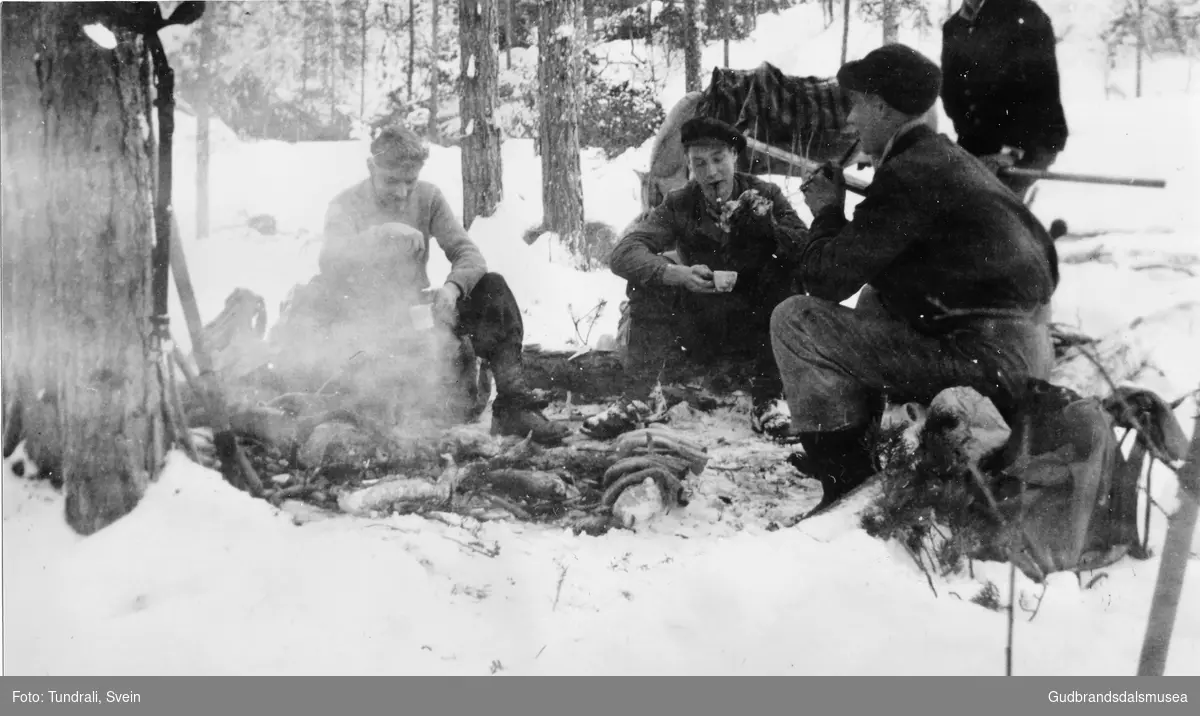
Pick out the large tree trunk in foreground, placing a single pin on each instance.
(558, 129)
(481, 166)
(78, 227)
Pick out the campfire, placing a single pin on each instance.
(380, 431)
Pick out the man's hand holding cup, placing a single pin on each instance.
(697, 279)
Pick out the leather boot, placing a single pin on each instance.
(518, 415)
(840, 460)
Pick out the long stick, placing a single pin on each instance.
(1082, 178)
(228, 451)
(1175, 555)
(807, 166)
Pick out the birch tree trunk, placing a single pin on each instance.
(78, 232)
(479, 61)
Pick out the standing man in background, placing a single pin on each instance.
(1000, 86)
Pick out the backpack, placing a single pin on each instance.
(1068, 497)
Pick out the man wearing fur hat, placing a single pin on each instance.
(676, 307)
(956, 277)
(374, 257)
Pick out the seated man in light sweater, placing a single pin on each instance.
(375, 255)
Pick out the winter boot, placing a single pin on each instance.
(518, 415)
(840, 460)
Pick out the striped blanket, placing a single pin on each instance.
(803, 115)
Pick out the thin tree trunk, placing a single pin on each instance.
(203, 111)
(362, 68)
(725, 29)
(481, 166)
(589, 14)
(650, 41)
(845, 30)
(305, 52)
(508, 34)
(891, 22)
(558, 130)
(1141, 47)
(434, 78)
(333, 38)
(78, 230)
(412, 44)
(691, 47)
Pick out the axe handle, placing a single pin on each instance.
(233, 460)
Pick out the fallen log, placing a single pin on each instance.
(595, 376)
(393, 492)
(387, 494)
(529, 484)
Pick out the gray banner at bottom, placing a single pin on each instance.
(560, 696)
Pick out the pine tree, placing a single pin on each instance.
(78, 230)
(558, 130)
(479, 62)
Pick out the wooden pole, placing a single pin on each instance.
(1084, 178)
(230, 453)
(1172, 569)
(807, 166)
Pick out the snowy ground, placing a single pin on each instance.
(202, 579)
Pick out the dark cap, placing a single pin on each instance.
(710, 129)
(396, 146)
(904, 78)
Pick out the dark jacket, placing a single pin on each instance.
(1000, 79)
(684, 222)
(355, 210)
(936, 230)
